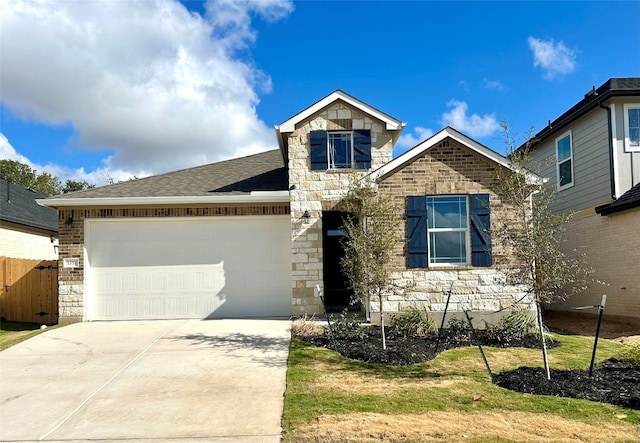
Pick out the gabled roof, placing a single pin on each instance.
(448, 132)
(288, 126)
(256, 178)
(628, 200)
(18, 205)
(614, 87)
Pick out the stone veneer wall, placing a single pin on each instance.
(315, 191)
(71, 236)
(450, 168)
(612, 243)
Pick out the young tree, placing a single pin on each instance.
(534, 235)
(371, 236)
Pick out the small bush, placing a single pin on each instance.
(414, 322)
(347, 326)
(457, 327)
(517, 324)
(630, 354)
(306, 327)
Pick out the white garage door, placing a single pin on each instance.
(160, 268)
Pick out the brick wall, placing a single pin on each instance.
(71, 236)
(613, 246)
(451, 168)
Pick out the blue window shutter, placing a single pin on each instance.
(362, 148)
(417, 231)
(318, 144)
(480, 230)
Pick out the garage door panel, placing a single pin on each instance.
(197, 269)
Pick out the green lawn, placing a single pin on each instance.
(12, 332)
(333, 399)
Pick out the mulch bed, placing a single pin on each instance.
(612, 381)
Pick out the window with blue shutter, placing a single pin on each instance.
(439, 229)
(480, 215)
(318, 143)
(340, 149)
(417, 231)
(362, 148)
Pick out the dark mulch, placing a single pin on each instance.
(403, 351)
(612, 381)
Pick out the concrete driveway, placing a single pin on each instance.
(215, 380)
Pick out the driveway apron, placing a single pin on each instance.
(214, 380)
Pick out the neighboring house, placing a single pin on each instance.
(27, 230)
(254, 236)
(591, 154)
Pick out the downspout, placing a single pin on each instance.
(612, 178)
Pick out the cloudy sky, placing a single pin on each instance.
(114, 89)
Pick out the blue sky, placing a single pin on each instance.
(92, 90)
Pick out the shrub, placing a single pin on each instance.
(306, 327)
(630, 354)
(517, 324)
(414, 322)
(457, 327)
(347, 326)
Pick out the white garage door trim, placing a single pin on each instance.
(187, 267)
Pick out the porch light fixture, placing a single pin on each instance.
(306, 216)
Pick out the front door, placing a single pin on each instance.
(337, 291)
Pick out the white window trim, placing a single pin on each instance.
(627, 139)
(573, 177)
(467, 231)
(329, 165)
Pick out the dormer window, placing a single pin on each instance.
(340, 149)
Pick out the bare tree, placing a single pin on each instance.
(535, 235)
(372, 233)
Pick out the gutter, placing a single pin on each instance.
(612, 177)
(607, 209)
(253, 197)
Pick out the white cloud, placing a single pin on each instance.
(492, 84)
(473, 125)
(555, 59)
(407, 141)
(8, 152)
(99, 176)
(159, 86)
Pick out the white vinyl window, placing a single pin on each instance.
(340, 152)
(632, 127)
(448, 230)
(564, 158)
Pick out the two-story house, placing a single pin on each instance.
(256, 236)
(591, 156)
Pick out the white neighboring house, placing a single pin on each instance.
(27, 230)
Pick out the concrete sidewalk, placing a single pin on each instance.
(215, 380)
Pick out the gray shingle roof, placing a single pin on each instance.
(628, 200)
(259, 172)
(614, 87)
(18, 205)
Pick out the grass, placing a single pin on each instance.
(12, 333)
(333, 399)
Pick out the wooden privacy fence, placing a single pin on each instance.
(29, 290)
